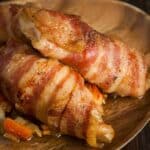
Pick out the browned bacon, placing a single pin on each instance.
(4, 15)
(7, 12)
(53, 93)
(108, 63)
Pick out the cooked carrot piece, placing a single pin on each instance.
(17, 129)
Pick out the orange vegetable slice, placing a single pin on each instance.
(17, 129)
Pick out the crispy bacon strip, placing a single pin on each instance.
(53, 93)
(7, 12)
(108, 63)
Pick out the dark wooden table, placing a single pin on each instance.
(142, 141)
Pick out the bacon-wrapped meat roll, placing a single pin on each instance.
(53, 93)
(108, 63)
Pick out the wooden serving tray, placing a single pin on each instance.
(127, 115)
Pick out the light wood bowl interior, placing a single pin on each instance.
(127, 115)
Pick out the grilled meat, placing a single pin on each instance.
(53, 93)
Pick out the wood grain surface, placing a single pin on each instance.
(142, 141)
